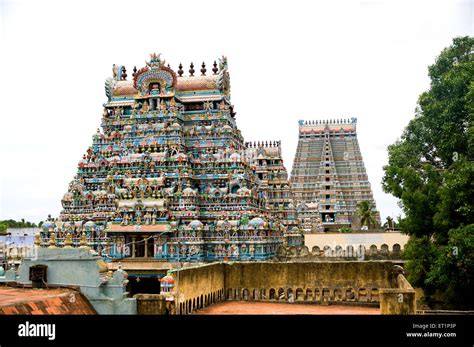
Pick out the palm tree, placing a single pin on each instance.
(365, 213)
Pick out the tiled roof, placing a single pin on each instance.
(30, 301)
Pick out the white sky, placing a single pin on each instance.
(288, 60)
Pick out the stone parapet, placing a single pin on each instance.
(400, 300)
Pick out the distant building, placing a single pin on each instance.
(13, 248)
(328, 178)
(23, 231)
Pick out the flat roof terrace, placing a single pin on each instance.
(246, 307)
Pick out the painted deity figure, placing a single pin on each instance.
(207, 105)
(121, 245)
(222, 106)
(252, 250)
(159, 249)
(162, 106)
(147, 218)
(155, 88)
(138, 217)
(172, 106)
(193, 250)
(125, 220)
(144, 108)
(235, 250)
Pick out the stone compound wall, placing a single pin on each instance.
(150, 304)
(400, 300)
(315, 282)
(198, 286)
(338, 253)
(307, 281)
(382, 241)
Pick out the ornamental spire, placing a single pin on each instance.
(155, 61)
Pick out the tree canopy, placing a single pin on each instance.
(431, 171)
(365, 211)
(10, 223)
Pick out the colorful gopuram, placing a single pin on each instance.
(328, 177)
(266, 160)
(168, 175)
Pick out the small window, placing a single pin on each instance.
(327, 179)
(327, 187)
(328, 207)
(328, 196)
(327, 171)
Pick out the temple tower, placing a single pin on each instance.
(328, 177)
(265, 159)
(166, 176)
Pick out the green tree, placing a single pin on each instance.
(431, 170)
(345, 230)
(366, 213)
(452, 272)
(10, 223)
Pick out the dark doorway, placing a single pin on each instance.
(139, 247)
(145, 285)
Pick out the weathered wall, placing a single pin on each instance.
(83, 268)
(401, 300)
(303, 253)
(360, 238)
(150, 304)
(198, 286)
(307, 281)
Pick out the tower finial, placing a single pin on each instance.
(203, 69)
(124, 73)
(180, 70)
(215, 69)
(52, 240)
(191, 70)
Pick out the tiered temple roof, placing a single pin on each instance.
(266, 160)
(167, 175)
(328, 178)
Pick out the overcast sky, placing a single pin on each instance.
(288, 60)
